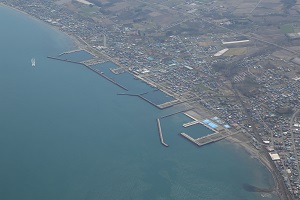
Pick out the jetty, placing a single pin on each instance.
(160, 133)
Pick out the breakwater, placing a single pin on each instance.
(140, 96)
(175, 113)
(160, 133)
(94, 70)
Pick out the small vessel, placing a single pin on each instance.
(33, 62)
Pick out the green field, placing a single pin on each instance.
(203, 87)
(203, 1)
(89, 11)
(287, 28)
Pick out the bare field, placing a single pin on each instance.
(281, 54)
(119, 6)
(236, 51)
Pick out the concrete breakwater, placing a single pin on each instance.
(94, 70)
(160, 133)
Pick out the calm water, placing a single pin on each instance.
(77, 56)
(66, 135)
(134, 86)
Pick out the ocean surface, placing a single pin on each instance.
(67, 135)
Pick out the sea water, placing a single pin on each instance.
(66, 134)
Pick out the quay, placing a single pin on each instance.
(160, 133)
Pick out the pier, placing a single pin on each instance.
(160, 133)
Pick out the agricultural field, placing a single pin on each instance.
(236, 51)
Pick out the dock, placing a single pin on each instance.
(160, 133)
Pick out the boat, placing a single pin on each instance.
(33, 62)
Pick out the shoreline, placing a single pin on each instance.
(265, 161)
(253, 152)
(75, 43)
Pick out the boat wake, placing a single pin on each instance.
(33, 62)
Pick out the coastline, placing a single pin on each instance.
(75, 42)
(233, 139)
(263, 157)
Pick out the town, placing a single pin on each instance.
(238, 60)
